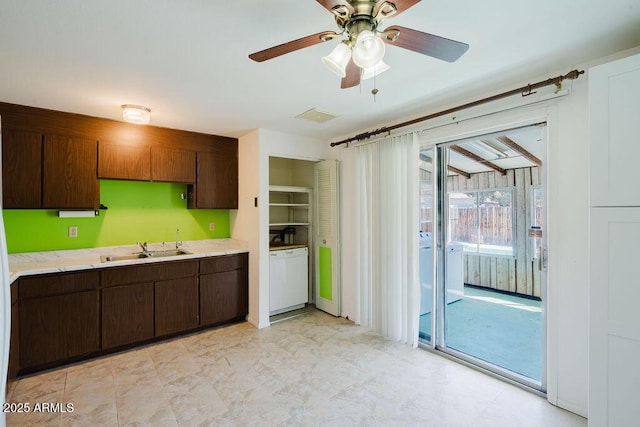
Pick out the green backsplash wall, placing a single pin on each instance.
(138, 211)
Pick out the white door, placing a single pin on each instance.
(326, 239)
(614, 290)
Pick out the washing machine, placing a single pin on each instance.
(454, 277)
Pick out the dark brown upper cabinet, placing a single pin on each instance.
(217, 181)
(70, 173)
(42, 169)
(21, 169)
(119, 161)
(173, 165)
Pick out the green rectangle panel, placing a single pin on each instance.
(138, 211)
(326, 273)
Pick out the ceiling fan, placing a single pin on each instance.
(360, 55)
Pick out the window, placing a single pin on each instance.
(483, 221)
(426, 206)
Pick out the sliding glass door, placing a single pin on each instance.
(487, 242)
(426, 240)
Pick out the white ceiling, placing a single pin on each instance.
(187, 60)
(530, 138)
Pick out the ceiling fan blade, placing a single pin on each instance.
(424, 43)
(353, 76)
(392, 7)
(293, 45)
(337, 7)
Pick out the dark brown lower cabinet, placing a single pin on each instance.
(58, 327)
(223, 297)
(176, 305)
(62, 317)
(127, 314)
(14, 343)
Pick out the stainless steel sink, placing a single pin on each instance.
(169, 252)
(143, 255)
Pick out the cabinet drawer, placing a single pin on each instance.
(223, 263)
(54, 284)
(149, 273)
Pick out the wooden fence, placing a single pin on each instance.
(519, 273)
(495, 225)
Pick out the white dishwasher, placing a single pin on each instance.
(288, 279)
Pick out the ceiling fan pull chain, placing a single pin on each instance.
(375, 90)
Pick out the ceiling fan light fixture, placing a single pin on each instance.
(376, 70)
(368, 50)
(136, 114)
(338, 59)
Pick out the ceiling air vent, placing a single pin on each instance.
(316, 116)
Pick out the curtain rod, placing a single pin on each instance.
(524, 90)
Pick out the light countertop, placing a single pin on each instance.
(30, 263)
(286, 247)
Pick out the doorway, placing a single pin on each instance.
(482, 236)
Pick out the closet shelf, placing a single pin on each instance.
(289, 189)
(291, 205)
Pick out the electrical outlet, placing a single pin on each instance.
(212, 226)
(73, 231)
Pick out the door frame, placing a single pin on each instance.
(483, 125)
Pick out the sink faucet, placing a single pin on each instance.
(178, 242)
(145, 251)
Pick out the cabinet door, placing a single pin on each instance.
(70, 173)
(21, 170)
(223, 296)
(176, 305)
(326, 236)
(613, 132)
(58, 327)
(14, 340)
(127, 314)
(173, 165)
(614, 319)
(217, 184)
(124, 161)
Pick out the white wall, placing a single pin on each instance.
(252, 223)
(568, 319)
(246, 220)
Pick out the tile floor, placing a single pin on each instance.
(310, 370)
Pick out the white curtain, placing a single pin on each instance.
(386, 237)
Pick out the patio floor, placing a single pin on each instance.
(502, 329)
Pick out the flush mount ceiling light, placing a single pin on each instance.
(136, 114)
(363, 45)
